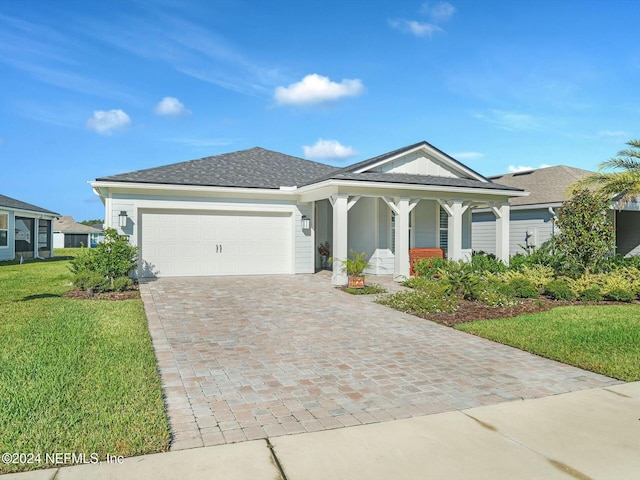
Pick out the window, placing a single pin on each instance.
(443, 229)
(393, 231)
(4, 229)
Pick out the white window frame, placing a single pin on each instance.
(5, 229)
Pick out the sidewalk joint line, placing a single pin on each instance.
(275, 459)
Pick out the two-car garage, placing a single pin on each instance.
(198, 243)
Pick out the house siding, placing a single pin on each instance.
(526, 227)
(416, 163)
(8, 252)
(303, 241)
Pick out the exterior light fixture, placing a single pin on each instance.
(122, 219)
(306, 222)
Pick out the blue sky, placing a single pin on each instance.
(91, 88)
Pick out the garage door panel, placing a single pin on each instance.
(184, 243)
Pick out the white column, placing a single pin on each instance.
(502, 214)
(340, 225)
(401, 255)
(454, 246)
(36, 228)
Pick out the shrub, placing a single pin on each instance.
(112, 259)
(538, 275)
(91, 281)
(487, 262)
(559, 290)
(624, 278)
(591, 294)
(121, 284)
(495, 294)
(621, 295)
(459, 279)
(428, 267)
(431, 297)
(523, 288)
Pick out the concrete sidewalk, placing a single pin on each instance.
(590, 434)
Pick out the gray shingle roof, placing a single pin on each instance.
(13, 204)
(420, 180)
(260, 168)
(252, 168)
(546, 185)
(67, 224)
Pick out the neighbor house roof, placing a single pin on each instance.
(261, 168)
(13, 204)
(67, 224)
(546, 185)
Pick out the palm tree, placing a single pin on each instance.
(624, 183)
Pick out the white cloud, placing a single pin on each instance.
(522, 168)
(467, 155)
(510, 120)
(419, 29)
(171, 106)
(610, 133)
(328, 149)
(316, 89)
(440, 12)
(105, 123)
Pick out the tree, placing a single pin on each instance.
(625, 182)
(586, 231)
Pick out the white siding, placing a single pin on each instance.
(417, 163)
(304, 243)
(8, 252)
(362, 229)
(426, 224)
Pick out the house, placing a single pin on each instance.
(258, 211)
(532, 218)
(67, 233)
(25, 230)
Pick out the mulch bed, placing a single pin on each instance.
(85, 295)
(472, 311)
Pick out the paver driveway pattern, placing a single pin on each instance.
(243, 358)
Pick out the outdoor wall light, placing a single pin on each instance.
(306, 222)
(122, 219)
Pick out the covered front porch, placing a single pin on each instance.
(387, 227)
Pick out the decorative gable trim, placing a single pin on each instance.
(430, 152)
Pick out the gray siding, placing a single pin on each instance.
(426, 224)
(8, 252)
(628, 233)
(526, 228)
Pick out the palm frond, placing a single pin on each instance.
(619, 163)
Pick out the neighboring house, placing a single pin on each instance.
(67, 233)
(262, 212)
(25, 230)
(533, 217)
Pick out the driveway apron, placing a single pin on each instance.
(243, 358)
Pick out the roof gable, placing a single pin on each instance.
(546, 185)
(67, 224)
(13, 204)
(418, 159)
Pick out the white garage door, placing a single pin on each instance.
(215, 243)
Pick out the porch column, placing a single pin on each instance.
(454, 210)
(502, 214)
(340, 215)
(401, 254)
(34, 239)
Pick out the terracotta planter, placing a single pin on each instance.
(356, 282)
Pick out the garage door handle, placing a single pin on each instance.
(217, 247)
(220, 248)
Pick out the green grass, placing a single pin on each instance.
(76, 376)
(602, 338)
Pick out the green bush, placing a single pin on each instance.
(91, 281)
(559, 290)
(112, 259)
(523, 288)
(487, 262)
(621, 295)
(121, 284)
(591, 294)
(459, 279)
(428, 267)
(495, 294)
(431, 297)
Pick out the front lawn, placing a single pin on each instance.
(76, 376)
(601, 338)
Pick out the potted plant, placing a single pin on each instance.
(354, 267)
(324, 249)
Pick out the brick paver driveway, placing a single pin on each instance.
(243, 358)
